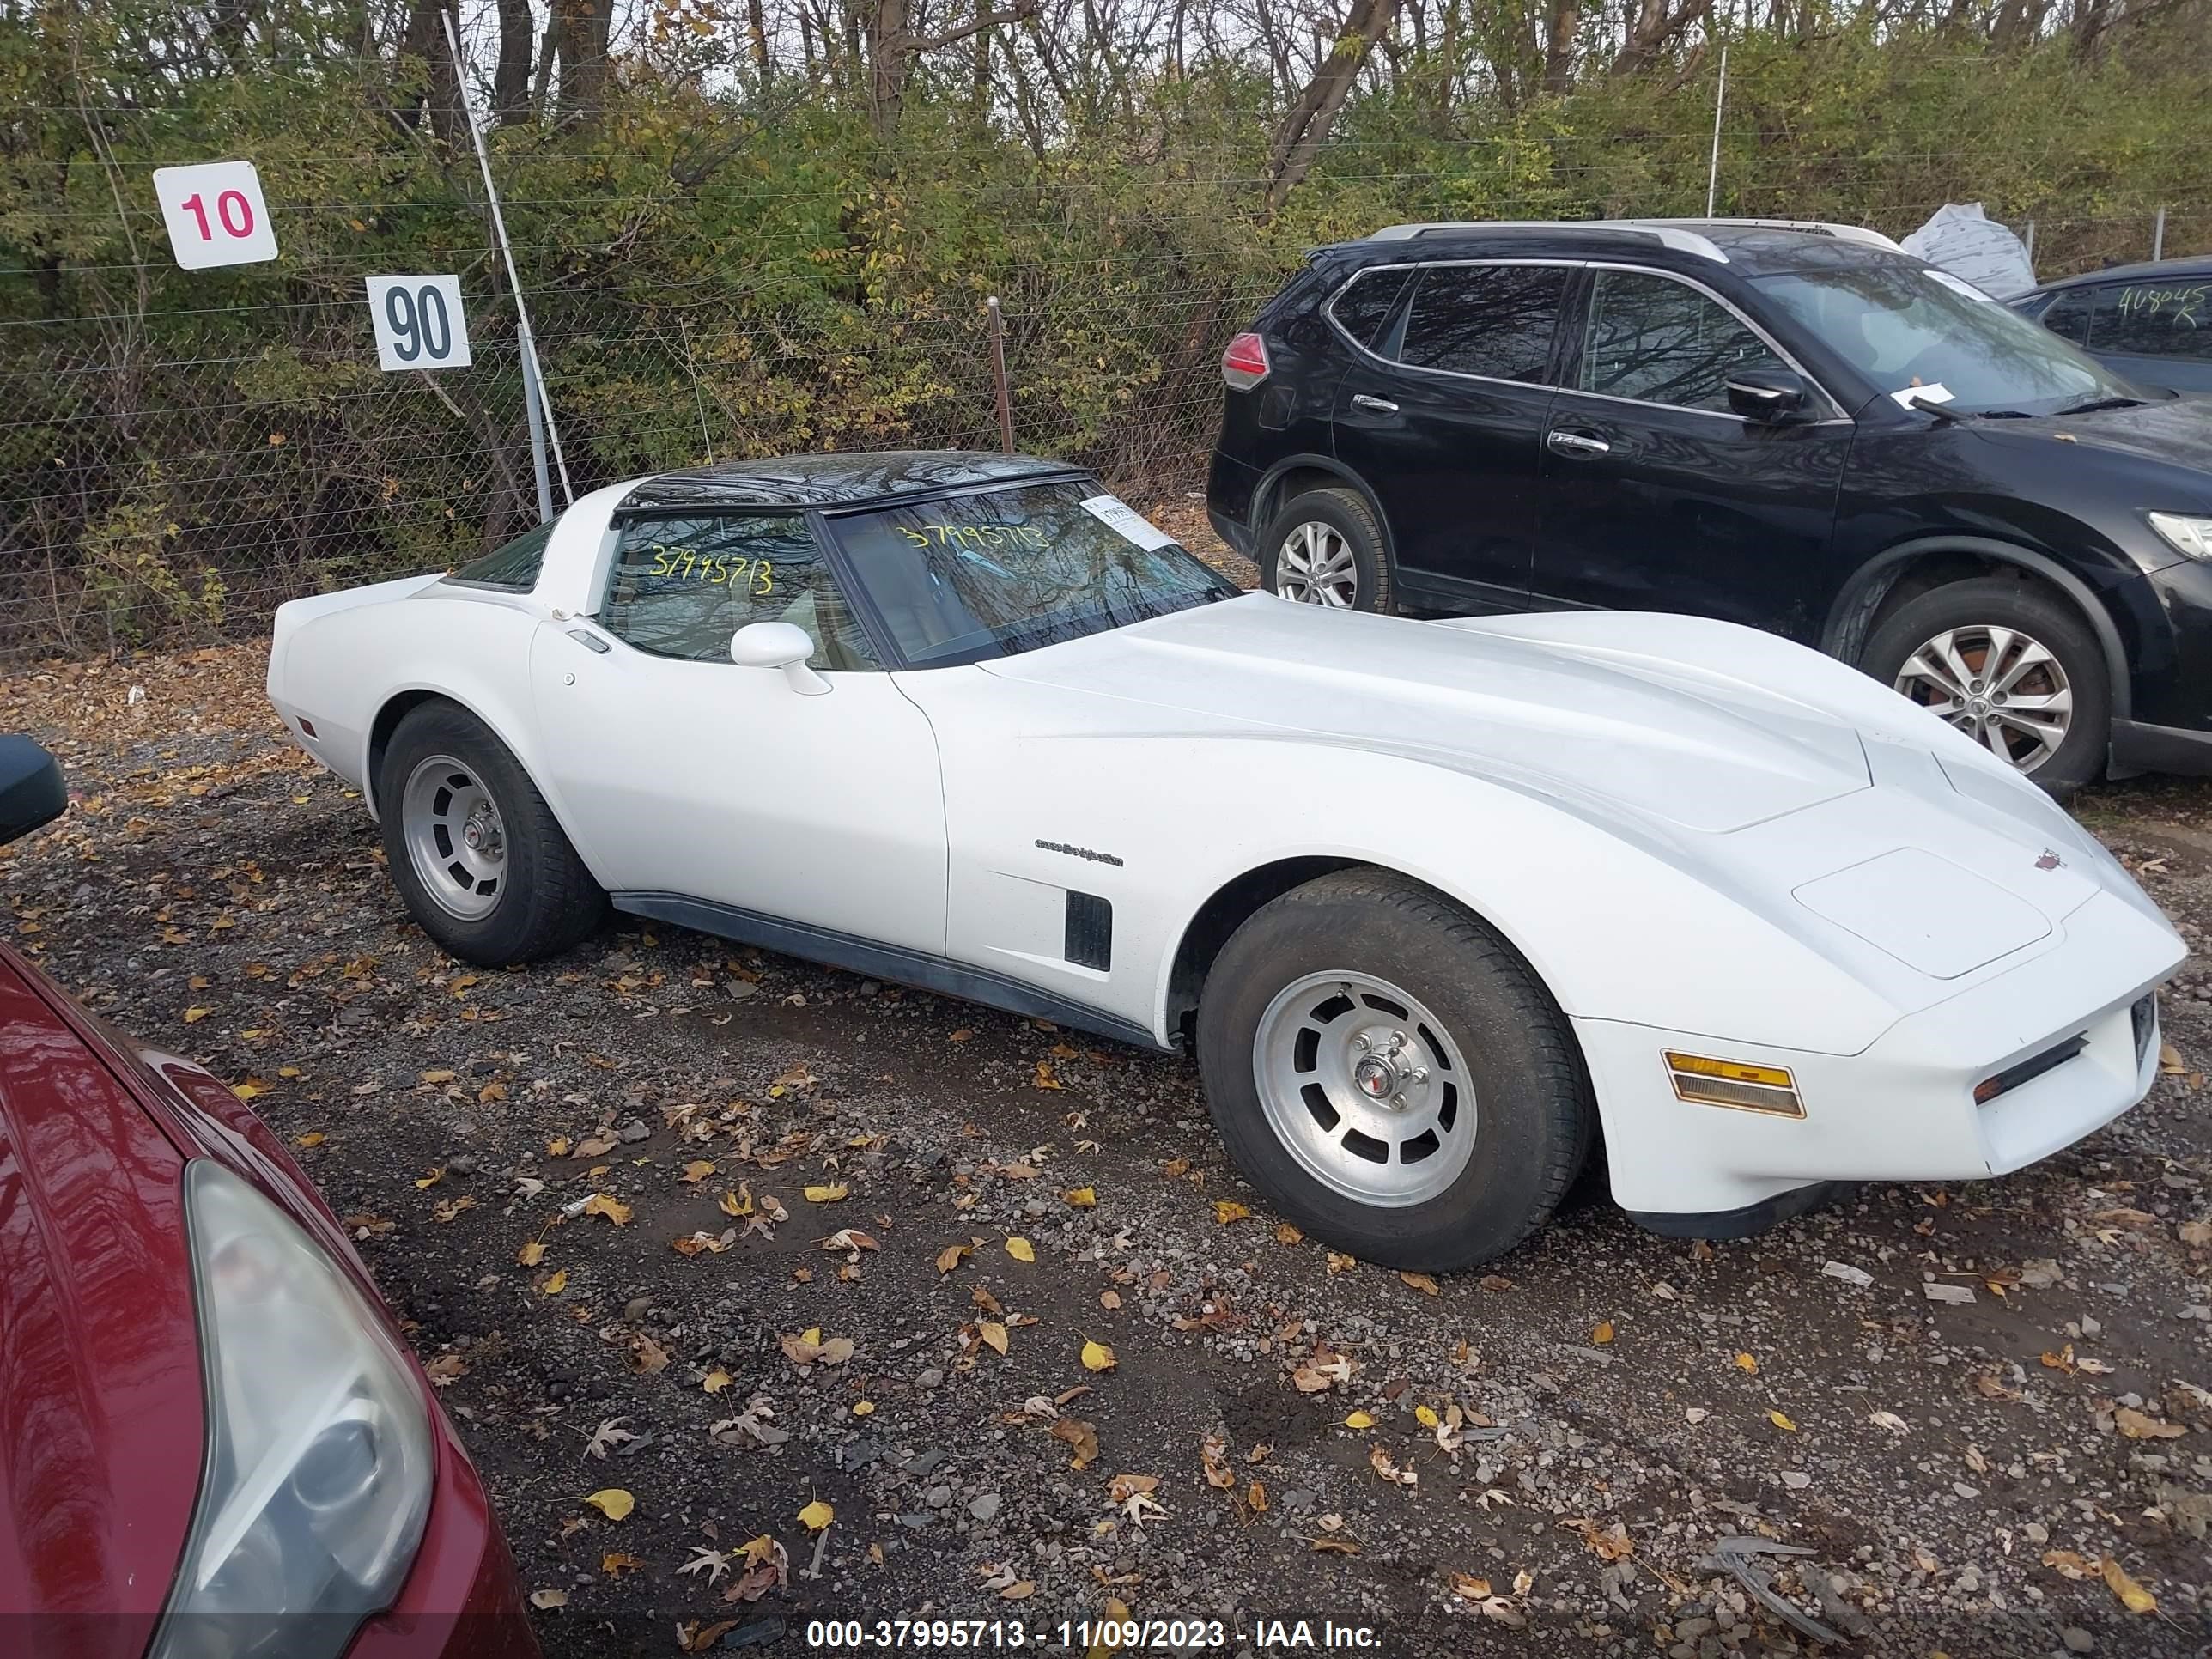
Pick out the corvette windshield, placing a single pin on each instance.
(1907, 326)
(968, 578)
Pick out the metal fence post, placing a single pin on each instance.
(2027, 245)
(999, 376)
(2157, 236)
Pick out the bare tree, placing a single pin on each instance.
(1299, 135)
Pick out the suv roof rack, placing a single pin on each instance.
(1812, 227)
(1681, 235)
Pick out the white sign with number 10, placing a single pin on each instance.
(215, 214)
(419, 322)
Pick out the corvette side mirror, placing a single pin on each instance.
(778, 644)
(1773, 397)
(32, 791)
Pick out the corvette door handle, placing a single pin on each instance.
(1379, 405)
(1577, 443)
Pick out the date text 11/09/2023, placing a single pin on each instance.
(1088, 1636)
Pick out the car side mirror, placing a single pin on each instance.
(778, 644)
(32, 790)
(1773, 397)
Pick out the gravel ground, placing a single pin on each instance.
(863, 1248)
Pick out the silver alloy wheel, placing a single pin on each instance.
(454, 837)
(2002, 688)
(1315, 566)
(1365, 1088)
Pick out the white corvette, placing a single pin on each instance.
(1439, 906)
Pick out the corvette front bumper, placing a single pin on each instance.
(1905, 1107)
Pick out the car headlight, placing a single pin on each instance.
(2185, 534)
(318, 1471)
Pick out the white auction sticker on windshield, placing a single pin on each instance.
(1127, 522)
(1937, 393)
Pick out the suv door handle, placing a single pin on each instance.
(1379, 405)
(1579, 444)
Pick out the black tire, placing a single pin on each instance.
(544, 902)
(1345, 512)
(1532, 1118)
(2048, 620)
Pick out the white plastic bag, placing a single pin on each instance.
(1974, 248)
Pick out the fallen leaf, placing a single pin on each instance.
(1603, 1333)
(1747, 1364)
(952, 1256)
(313, 1138)
(613, 1208)
(1338, 1263)
(2137, 1426)
(2066, 1565)
(556, 1283)
(616, 1563)
(1044, 1078)
(1226, 1211)
(431, 1179)
(1358, 1420)
(1082, 1198)
(864, 1408)
(830, 1195)
(1421, 1282)
(1021, 1249)
(193, 1016)
(1782, 1423)
(1332, 1546)
(451, 1207)
(2133, 1596)
(1082, 1440)
(1286, 1234)
(993, 1334)
(545, 1599)
(696, 1171)
(1889, 1420)
(531, 1253)
(612, 1502)
(817, 1516)
(716, 1380)
(1098, 1357)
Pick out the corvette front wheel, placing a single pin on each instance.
(482, 865)
(1391, 1074)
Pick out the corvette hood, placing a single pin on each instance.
(1672, 741)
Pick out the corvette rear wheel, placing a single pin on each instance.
(1391, 1074)
(477, 855)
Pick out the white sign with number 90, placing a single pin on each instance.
(419, 322)
(215, 215)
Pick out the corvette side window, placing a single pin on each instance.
(681, 587)
(515, 566)
(1660, 341)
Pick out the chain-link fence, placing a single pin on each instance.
(174, 475)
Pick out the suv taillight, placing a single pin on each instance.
(1244, 365)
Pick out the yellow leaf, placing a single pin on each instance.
(1782, 1422)
(864, 1408)
(1747, 1364)
(716, 1380)
(2137, 1426)
(1286, 1234)
(1603, 1333)
(313, 1138)
(531, 1253)
(1082, 1198)
(817, 1516)
(557, 1147)
(1098, 1357)
(558, 1283)
(1021, 1249)
(730, 1204)
(612, 1502)
(432, 1178)
(613, 1208)
(1226, 1211)
(194, 1015)
(438, 1076)
(949, 1257)
(697, 1171)
(2133, 1596)
(1044, 1079)
(830, 1195)
(1421, 1282)
(994, 1333)
(1425, 1417)
(1360, 1421)
(249, 1089)
(1338, 1263)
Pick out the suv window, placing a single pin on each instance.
(1660, 341)
(2068, 316)
(515, 566)
(1491, 321)
(2172, 317)
(681, 587)
(1365, 303)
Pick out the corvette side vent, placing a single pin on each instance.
(1089, 932)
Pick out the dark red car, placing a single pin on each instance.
(212, 1440)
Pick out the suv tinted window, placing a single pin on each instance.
(1362, 307)
(514, 565)
(682, 586)
(2167, 318)
(2068, 316)
(1660, 341)
(1494, 320)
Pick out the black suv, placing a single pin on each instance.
(1799, 428)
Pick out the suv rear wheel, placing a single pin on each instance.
(1324, 547)
(2013, 668)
